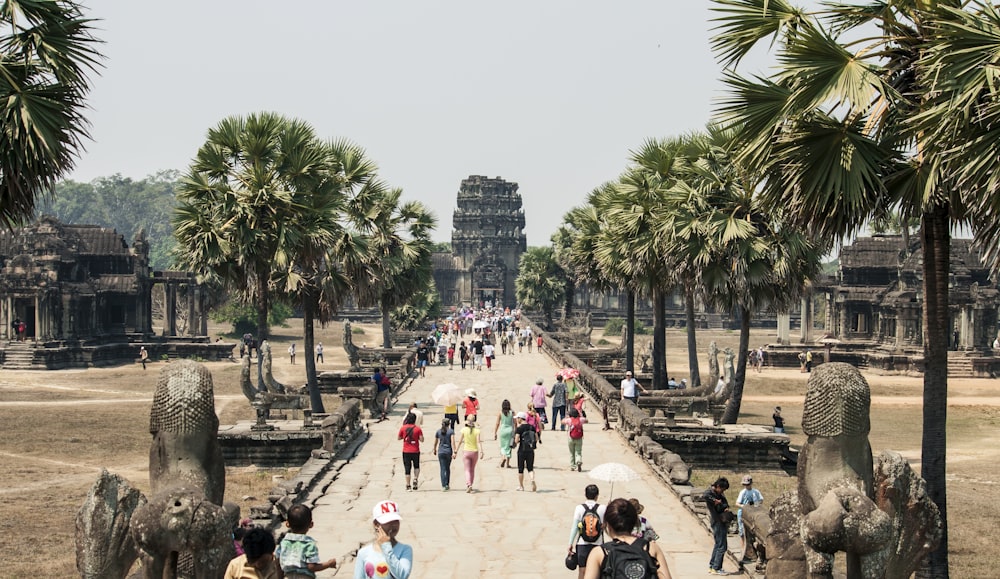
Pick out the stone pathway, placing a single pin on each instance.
(495, 531)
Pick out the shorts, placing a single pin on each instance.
(421, 362)
(411, 459)
(582, 552)
(525, 461)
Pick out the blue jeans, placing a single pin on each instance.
(558, 413)
(721, 545)
(445, 462)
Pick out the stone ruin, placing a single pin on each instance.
(184, 528)
(877, 512)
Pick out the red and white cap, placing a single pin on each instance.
(385, 512)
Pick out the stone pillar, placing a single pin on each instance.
(828, 319)
(7, 319)
(784, 328)
(807, 319)
(170, 310)
(68, 305)
(963, 327)
(202, 314)
(192, 329)
(38, 316)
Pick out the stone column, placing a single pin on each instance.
(38, 316)
(192, 329)
(784, 328)
(828, 319)
(68, 305)
(807, 319)
(170, 310)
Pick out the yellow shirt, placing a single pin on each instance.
(453, 409)
(470, 439)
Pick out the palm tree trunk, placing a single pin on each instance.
(659, 339)
(386, 325)
(692, 338)
(936, 241)
(630, 331)
(308, 347)
(736, 397)
(570, 296)
(263, 307)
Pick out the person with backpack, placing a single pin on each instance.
(588, 528)
(715, 499)
(575, 423)
(524, 441)
(411, 435)
(625, 555)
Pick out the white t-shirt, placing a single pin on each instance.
(750, 497)
(488, 350)
(720, 387)
(578, 516)
(628, 388)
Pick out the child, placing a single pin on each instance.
(297, 553)
(258, 560)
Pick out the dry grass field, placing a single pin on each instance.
(59, 429)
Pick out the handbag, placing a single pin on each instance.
(726, 517)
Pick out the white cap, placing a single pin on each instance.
(522, 415)
(385, 512)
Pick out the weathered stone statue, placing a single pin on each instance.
(104, 546)
(713, 364)
(729, 371)
(353, 355)
(263, 401)
(184, 530)
(270, 384)
(885, 530)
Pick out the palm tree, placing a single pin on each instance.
(562, 245)
(240, 204)
(46, 53)
(849, 130)
(399, 260)
(541, 281)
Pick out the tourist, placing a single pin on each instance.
(15, 329)
(503, 343)
(463, 354)
(535, 420)
(630, 388)
(257, 560)
(575, 423)
(538, 395)
(423, 357)
(444, 448)
(720, 388)
(488, 355)
(471, 404)
(528, 338)
(809, 361)
(558, 395)
(672, 383)
(505, 428)
(524, 441)
(297, 553)
(779, 422)
(683, 385)
(587, 530)
(539, 343)
(477, 353)
(620, 518)
(319, 352)
(411, 435)
(143, 356)
(291, 352)
(749, 496)
(644, 529)
(385, 555)
(416, 412)
(383, 386)
(511, 338)
(442, 353)
(451, 356)
(715, 500)
(471, 443)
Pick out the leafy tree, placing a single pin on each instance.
(425, 305)
(243, 317)
(541, 281)
(875, 108)
(46, 52)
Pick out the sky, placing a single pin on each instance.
(550, 94)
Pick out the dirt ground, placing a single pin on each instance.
(58, 429)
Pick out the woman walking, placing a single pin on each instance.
(505, 427)
(444, 448)
(471, 404)
(412, 436)
(471, 443)
(620, 519)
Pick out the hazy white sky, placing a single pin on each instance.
(549, 94)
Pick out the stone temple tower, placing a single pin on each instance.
(487, 241)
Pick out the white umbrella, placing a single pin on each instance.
(447, 394)
(480, 325)
(613, 472)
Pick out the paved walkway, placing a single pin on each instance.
(495, 531)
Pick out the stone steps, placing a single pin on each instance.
(19, 356)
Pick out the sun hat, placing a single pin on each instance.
(522, 416)
(747, 480)
(385, 512)
(471, 393)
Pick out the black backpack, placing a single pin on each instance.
(527, 441)
(625, 561)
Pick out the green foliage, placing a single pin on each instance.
(122, 204)
(441, 247)
(641, 329)
(423, 306)
(46, 52)
(357, 330)
(243, 316)
(614, 326)
(541, 281)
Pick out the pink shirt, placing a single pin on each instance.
(538, 396)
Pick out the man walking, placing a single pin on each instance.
(319, 352)
(588, 527)
(423, 358)
(558, 396)
(630, 388)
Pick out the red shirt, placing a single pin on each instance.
(471, 406)
(411, 443)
